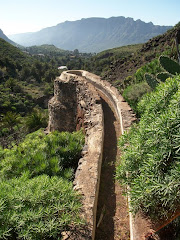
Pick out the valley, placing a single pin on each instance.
(143, 162)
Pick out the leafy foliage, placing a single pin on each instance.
(10, 119)
(152, 67)
(36, 120)
(150, 163)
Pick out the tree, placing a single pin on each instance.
(36, 120)
(76, 52)
(10, 119)
(11, 83)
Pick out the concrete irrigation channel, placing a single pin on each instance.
(82, 100)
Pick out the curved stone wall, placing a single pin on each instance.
(120, 107)
(76, 103)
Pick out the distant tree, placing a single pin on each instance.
(49, 75)
(1, 74)
(36, 120)
(11, 83)
(25, 73)
(76, 52)
(10, 119)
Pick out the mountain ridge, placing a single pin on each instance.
(92, 34)
(3, 36)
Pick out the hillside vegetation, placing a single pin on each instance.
(39, 163)
(151, 157)
(150, 163)
(126, 71)
(102, 62)
(3, 36)
(26, 84)
(37, 200)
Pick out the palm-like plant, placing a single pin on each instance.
(36, 120)
(10, 119)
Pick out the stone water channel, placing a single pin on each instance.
(112, 210)
(82, 99)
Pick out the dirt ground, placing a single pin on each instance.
(112, 211)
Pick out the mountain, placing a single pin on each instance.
(3, 36)
(92, 34)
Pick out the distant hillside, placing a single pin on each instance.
(45, 49)
(92, 34)
(11, 52)
(3, 36)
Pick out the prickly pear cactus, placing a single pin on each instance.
(163, 76)
(152, 82)
(169, 65)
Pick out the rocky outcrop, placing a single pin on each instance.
(63, 106)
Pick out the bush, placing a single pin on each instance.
(150, 163)
(134, 93)
(38, 208)
(37, 200)
(50, 154)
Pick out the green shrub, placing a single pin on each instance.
(134, 93)
(154, 103)
(150, 162)
(34, 205)
(10, 119)
(50, 154)
(38, 208)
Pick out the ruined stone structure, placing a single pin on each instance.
(77, 103)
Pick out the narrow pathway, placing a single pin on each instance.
(112, 214)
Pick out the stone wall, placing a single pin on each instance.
(77, 104)
(63, 106)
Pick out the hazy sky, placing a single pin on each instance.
(18, 16)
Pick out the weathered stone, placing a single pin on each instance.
(76, 104)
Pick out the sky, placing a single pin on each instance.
(19, 16)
